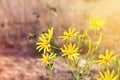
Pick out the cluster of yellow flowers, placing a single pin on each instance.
(45, 45)
(72, 49)
(69, 49)
(106, 60)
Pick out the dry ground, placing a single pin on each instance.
(27, 68)
(20, 17)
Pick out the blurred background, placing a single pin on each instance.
(19, 18)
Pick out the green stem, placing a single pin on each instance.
(107, 67)
(76, 75)
(89, 48)
(89, 71)
(118, 70)
(51, 74)
(87, 53)
(55, 47)
(50, 68)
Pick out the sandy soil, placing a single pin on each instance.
(20, 17)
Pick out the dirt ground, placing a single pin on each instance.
(18, 18)
(28, 68)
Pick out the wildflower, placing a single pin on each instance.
(70, 50)
(69, 35)
(46, 58)
(82, 63)
(107, 75)
(95, 23)
(45, 39)
(107, 58)
(43, 44)
(49, 35)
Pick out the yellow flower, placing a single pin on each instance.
(46, 58)
(49, 35)
(45, 39)
(107, 75)
(95, 23)
(69, 34)
(70, 50)
(44, 44)
(107, 58)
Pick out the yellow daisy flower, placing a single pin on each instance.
(70, 50)
(107, 58)
(44, 43)
(69, 34)
(107, 75)
(95, 23)
(49, 35)
(46, 58)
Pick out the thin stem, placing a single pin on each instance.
(89, 47)
(87, 53)
(55, 47)
(51, 74)
(106, 66)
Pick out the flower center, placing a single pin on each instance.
(69, 35)
(69, 52)
(46, 43)
(107, 59)
(46, 58)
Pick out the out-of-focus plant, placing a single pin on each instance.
(107, 58)
(95, 23)
(79, 50)
(117, 64)
(107, 75)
